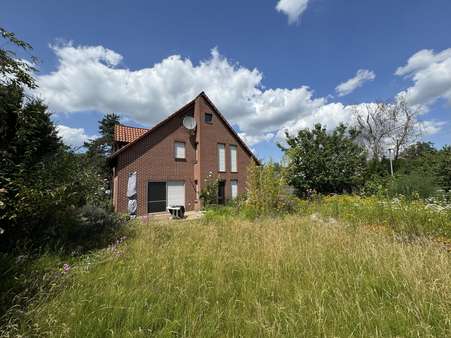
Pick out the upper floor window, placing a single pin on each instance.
(233, 159)
(180, 150)
(208, 118)
(221, 157)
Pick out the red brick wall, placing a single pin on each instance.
(152, 158)
(210, 136)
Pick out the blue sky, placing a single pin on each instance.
(268, 69)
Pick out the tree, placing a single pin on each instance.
(419, 149)
(15, 74)
(27, 135)
(325, 162)
(13, 70)
(99, 149)
(386, 125)
(442, 168)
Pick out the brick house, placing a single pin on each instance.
(172, 163)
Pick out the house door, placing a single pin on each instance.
(156, 197)
(221, 192)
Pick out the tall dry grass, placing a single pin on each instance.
(272, 277)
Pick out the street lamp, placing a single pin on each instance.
(391, 160)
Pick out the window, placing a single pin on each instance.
(197, 190)
(115, 180)
(234, 186)
(156, 197)
(208, 118)
(197, 152)
(180, 150)
(233, 159)
(221, 157)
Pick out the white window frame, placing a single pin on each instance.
(233, 158)
(176, 153)
(232, 183)
(221, 157)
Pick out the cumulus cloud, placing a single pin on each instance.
(431, 76)
(92, 78)
(251, 140)
(430, 127)
(292, 8)
(362, 76)
(74, 137)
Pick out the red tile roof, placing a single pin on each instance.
(127, 134)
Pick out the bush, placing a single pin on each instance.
(95, 227)
(42, 207)
(267, 191)
(412, 186)
(209, 194)
(376, 185)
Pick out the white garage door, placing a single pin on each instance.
(176, 193)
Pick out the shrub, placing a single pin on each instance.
(412, 186)
(95, 227)
(267, 191)
(42, 208)
(209, 194)
(376, 185)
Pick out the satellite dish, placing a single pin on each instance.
(189, 122)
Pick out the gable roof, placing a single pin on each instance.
(202, 94)
(113, 155)
(127, 134)
(230, 128)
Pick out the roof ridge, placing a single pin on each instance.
(124, 125)
(205, 96)
(154, 128)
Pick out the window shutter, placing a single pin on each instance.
(233, 159)
(175, 193)
(221, 155)
(179, 150)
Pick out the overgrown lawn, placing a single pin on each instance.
(227, 276)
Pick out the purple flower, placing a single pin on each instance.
(66, 268)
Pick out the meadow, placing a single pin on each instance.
(342, 267)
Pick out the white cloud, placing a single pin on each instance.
(91, 79)
(362, 76)
(329, 115)
(252, 140)
(431, 75)
(430, 127)
(292, 8)
(74, 137)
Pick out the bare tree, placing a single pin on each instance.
(373, 124)
(403, 125)
(386, 124)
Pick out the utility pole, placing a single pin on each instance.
(391, 160)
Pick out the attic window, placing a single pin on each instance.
(208, 118)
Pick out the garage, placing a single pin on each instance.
(160, 195)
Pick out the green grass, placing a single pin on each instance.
(227, 276)
(405, 217)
